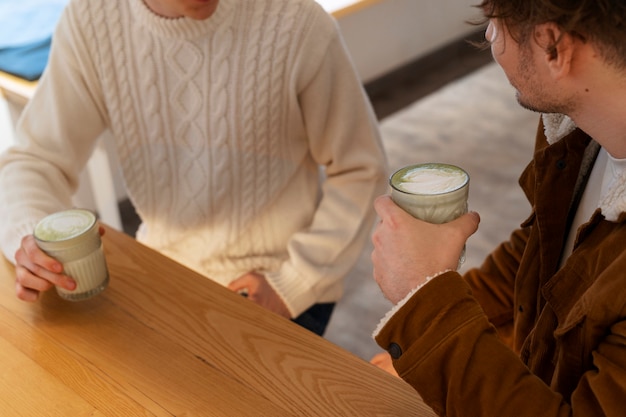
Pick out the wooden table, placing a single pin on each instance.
(16, 90)
(162, 340)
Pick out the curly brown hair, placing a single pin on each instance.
(601, 22)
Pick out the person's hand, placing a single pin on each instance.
(408, 250)
(36, 272)
(384, 362)
(257, 288)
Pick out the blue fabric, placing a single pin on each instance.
(26, 28)
(316, 318)
(27, 62)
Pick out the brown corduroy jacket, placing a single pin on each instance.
(520, 336)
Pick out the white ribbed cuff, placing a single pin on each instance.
(402, 302)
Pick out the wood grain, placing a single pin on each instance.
(163, 341)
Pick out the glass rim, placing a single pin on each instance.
(92, 221)
(426, 164)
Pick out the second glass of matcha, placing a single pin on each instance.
(433, 192)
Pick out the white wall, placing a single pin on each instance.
(391, 33)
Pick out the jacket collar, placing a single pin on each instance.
(613, 202)
(557, 126)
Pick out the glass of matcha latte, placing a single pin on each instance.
(433, 192)
(73, 238)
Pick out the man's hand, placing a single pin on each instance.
(408, 250)
(384, 362)
(37, 272)
(261, 292)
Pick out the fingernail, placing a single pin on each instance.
(70, 284)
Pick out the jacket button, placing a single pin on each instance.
(395, 350)
(561, 164)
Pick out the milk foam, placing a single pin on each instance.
(432, 180)
(64, 225)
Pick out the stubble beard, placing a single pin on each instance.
(537, 97)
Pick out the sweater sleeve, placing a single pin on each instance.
(56, 134)
(344, 139)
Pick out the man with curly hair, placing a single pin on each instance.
(539, 329)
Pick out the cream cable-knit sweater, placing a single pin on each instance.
(220, 126)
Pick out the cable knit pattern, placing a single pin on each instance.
(219, 125)
(151, 104)
(283, 36)
(222, 160)
(251, 135)
(261, 136)
(187, 102)
(249, 79)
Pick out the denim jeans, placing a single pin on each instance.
(316, 318)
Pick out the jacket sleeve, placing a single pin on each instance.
(344, 139)
(445, 348)
(56, 134)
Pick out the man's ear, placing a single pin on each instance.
(558, 48)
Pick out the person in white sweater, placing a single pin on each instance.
(247, 144)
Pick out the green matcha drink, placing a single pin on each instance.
(433, 192)
(72, 237)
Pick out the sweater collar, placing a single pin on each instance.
(180, 28)
(613, 201)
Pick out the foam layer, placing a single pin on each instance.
(64, 225)
(431, 179)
